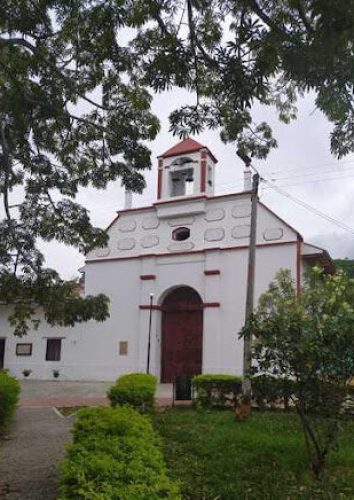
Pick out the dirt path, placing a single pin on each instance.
(29, 459)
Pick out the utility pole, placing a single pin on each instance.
(149, 337)
(247, 355)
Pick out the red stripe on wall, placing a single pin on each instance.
(202, 176)
(159, 180)
(298, 266)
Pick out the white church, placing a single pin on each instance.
(176, 269)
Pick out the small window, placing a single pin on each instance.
(23, 349)
(53, 350)
(181, 234)
(123, 348)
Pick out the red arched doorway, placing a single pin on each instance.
(182, 334)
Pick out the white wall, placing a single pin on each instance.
(90, 351)
(217, 222)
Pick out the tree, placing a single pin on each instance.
(308, 339)
(76, 85)
(347, 265)
(55, 59)
(233, 55)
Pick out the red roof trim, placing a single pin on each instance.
(186, 146)
(323, 259)
(199, 197)
(137, 209)
(191, 197)
(182, 199)
(318, 248)
(111, 223)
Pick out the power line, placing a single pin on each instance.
(311, 167)
(316, 181)
(142, 202)
(312, 209)
(270, 185)
(310, 174)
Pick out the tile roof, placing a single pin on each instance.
(186, 146)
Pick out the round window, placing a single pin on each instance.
(181, 234)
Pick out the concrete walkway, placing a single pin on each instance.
(30, 457)
(61, 393)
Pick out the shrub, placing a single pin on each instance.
(135, 389)
(269, 390)
(115, 455)
(217, 390)
(9, 392)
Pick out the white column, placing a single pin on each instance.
(247, 179)
(128, 199)
(147, 287)
(212, 315)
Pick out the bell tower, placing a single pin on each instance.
(185, 170)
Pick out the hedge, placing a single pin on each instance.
(9, 393)
(216, 390)
(115, 455)
(269, 390)
(135, 389)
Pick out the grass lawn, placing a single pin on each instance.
(216, 458)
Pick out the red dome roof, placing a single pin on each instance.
(186, 146)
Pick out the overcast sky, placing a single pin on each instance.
(302, 165)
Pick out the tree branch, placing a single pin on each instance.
(7, 168)
(19, 41)
(87, 122)
(267, 20)
(192, 36)
(307, 428)
(300, 9)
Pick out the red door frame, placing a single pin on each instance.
(2, 352)
(181, 334)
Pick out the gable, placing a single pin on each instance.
(272, 227)
(218, 222)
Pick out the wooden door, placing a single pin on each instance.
(2, 353)
(182, 335)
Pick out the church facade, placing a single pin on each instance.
(176, 276)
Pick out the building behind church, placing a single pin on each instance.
(181, 263)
